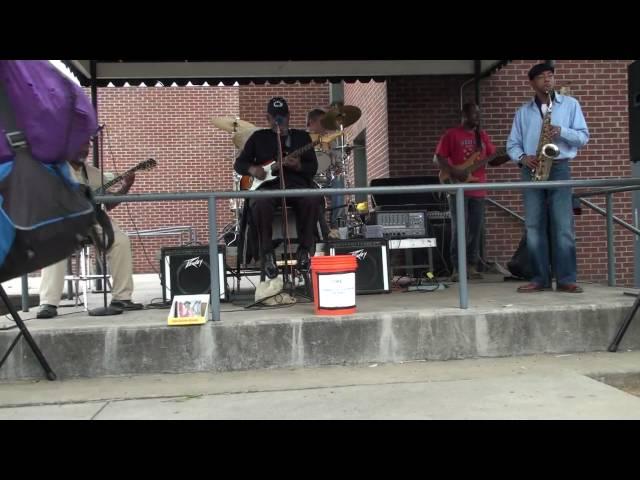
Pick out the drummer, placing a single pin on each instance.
(314, 126)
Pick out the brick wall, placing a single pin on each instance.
(173, 125)
(371, 98)
(403, 118)
(422, 108)
(601, 88)
(300, 97)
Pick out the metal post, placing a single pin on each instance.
(611, 270)
(25, 293)
(93, 72)
(213, 260)
(462, 248)
(477, 67)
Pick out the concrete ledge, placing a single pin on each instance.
(307, 341)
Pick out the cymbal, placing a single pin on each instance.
(240, 137)
(231, 124)
(326, 138)
(344, 115)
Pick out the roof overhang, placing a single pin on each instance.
(181, 72)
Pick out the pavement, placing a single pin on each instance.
(566, 386)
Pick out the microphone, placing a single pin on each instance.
(280, 120)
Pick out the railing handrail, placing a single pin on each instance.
(491, 201)
(590, 205)
(303, 192)
(605, 191)
(458, 189)
(603, 212)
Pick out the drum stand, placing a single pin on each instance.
(348, 205)
(235, 207)
(235, 203)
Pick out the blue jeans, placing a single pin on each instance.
(554, 208)
(474, 224)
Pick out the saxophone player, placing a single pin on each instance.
(549, 118)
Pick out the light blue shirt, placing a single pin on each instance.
(527, 125)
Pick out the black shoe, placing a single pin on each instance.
(270, 267)
(304, 261)
(126, 305)
(47, 311)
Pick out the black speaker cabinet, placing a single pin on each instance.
(373, 274)
(186, 271)
(634, 111)
(440, 229)
(413, 201)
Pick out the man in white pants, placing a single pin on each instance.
(118, 256)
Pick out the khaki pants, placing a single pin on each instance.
(119, 257)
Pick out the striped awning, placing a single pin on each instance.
(244, 72)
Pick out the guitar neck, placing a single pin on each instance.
(484, 162)
(301, 150)
(111, 183)
(479, 165)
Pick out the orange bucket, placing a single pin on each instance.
(334, 284)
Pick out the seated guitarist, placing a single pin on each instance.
(118, 256)
(456, 147)
(261, 149)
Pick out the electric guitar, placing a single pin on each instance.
(144, 165)
(470, 166)
(251, 183)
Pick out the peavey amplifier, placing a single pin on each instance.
(373, 273)
(186, 271)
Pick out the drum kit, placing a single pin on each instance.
(332, 151)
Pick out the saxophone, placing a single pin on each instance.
(547, 151)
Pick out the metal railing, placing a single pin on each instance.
(497, 204)
(167, 232)
(608, 213)
(457, 189)
(611, 255)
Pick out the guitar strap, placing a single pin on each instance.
(478, 139)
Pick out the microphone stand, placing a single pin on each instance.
(105, 310)
(285, 221)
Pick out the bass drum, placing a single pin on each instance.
(324, 160)
(322, 177)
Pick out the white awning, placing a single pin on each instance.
(118, 72)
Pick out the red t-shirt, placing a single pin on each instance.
(458, 144)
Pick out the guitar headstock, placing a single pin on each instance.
(147, 164)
